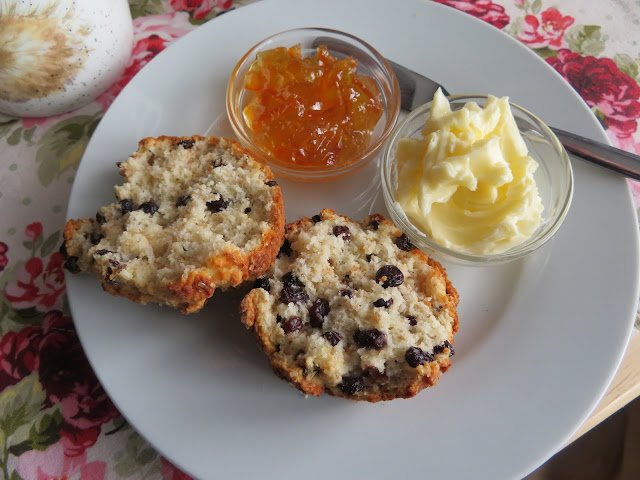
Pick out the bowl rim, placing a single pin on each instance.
(539, 238)
(392, 113)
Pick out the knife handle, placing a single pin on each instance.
(599, 153)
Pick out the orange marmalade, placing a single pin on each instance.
(313, 111)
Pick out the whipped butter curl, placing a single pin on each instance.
(468, 183)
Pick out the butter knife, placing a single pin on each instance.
(416, 90)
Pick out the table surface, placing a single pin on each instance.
(624, 388)
(55, 419)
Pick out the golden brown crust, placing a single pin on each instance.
(430, 373)
(193, 290)
(261, 259)
(227, 268)
(425, 375)
(71, 228)
(249, 314)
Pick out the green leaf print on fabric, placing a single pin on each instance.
(137, 458)
(28, 135)
(50, 244)
(62, 146)
(44, 432)
(19, 403)
(5, 127)
(33, 246)
(16, 319)
(4, 309)
(536, 7)
(600, 116)
(15, 137)
(26, 313)
(586, 39)
(546, 52)
(140, 8)
(199, 21)
(626, 64)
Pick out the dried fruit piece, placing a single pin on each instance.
(416, 356)
(293, 324)
(215, 206)
(285, 248)
(351, 385)
(332, 337)
(290, 279)
(149, 207)
(186, 144)
(381, 302)
(71, 264)
(95, 238)
(109, 276)
(319, 310)
(342, 230)
(182, 200)
(262, 283)
(403, 243)
(373, 338)
(390, 276)
(126, 205)
(440, 348)
(450, 347)
(293, 290)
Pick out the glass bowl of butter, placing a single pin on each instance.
(475, 179)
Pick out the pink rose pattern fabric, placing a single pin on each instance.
(199, 8)
(38, 284)
(546, 31)
(605, 88)
(71, 421)
(485, 10)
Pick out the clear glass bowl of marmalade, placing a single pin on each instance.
(314, 104)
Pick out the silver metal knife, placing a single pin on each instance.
(417, 90)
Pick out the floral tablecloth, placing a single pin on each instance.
(56, 422)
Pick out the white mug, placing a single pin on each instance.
(58, 55)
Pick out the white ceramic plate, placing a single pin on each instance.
(539, 339)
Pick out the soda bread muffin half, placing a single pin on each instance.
(193, 214)
(354, 309)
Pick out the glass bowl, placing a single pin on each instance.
(340, 45)
(554, 179)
